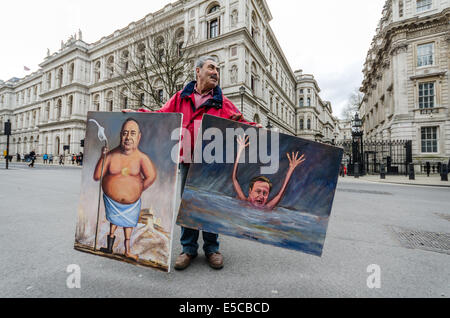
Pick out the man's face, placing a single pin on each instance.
(130, 136)
(208, 74)
(259, 194)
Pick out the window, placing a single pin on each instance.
(97, 71)
(70, 105)
(302, 126)
(429, 139)
(426, 95)
(110, 67)
(301, 91)
(308, 102)
(301, 102)
(59, 80)
(161, 96)
(425, 54)
(125, 61)
(142, 99)
(71, 72)
(308, 124)
(213, 29)
(400, 8)
(423, 5)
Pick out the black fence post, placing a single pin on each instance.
(382, 171)
(444, 172)
(412, 175)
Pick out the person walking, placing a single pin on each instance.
(45, 157)
(61, 160)
(427, 168)
(32, 158)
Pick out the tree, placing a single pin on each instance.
(161, 63)
(354, 101)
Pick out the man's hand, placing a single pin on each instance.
(242, 144)
(105, 151)
(294, 162)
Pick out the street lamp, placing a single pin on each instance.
(242, 92)
(357, 150)
(269, 126)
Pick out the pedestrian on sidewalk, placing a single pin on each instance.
(61, 160)
(50, 159)
(73, 158)
(427, 168)
(32, 158)
(45, 157)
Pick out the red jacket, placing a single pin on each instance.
(184, 102)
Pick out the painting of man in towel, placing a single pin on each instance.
(127, 173)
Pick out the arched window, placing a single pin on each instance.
(71, 72)
(125, 61)
(97, 103)
(302, 124)
(110, 67)
(124, 98)
(70, 106)
(97, 71)
(253, 77)
(59, 79)
(110, 101)
(179, 38)
(308, 125)
(308, 102)
(47, 111)
(159, 43)
(58, 109)
(256, 119)
(141, 54)
(49, 81)
(254, 30)
(301, 103)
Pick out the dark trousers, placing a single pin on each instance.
(189, 237)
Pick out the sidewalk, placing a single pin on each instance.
(40, 163)
(421, 180)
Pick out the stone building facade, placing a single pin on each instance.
(316, 120)
(406, 78)
(48, 108)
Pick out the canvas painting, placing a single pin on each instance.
(260, 185)
(128, 188)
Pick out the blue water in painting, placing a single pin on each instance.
(280, 227)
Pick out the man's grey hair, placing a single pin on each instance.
(201, 61)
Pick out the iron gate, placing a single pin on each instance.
(370, 154)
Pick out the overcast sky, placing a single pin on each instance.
(326, 38)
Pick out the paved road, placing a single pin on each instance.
(38, 215)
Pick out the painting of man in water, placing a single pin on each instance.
(287, 206)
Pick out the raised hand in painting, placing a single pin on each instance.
(260, 187)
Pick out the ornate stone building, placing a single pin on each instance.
(406, 80)
(316, 120)
(48, 108)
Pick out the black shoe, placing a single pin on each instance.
(109, 248)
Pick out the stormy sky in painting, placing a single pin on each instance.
(310, 190)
